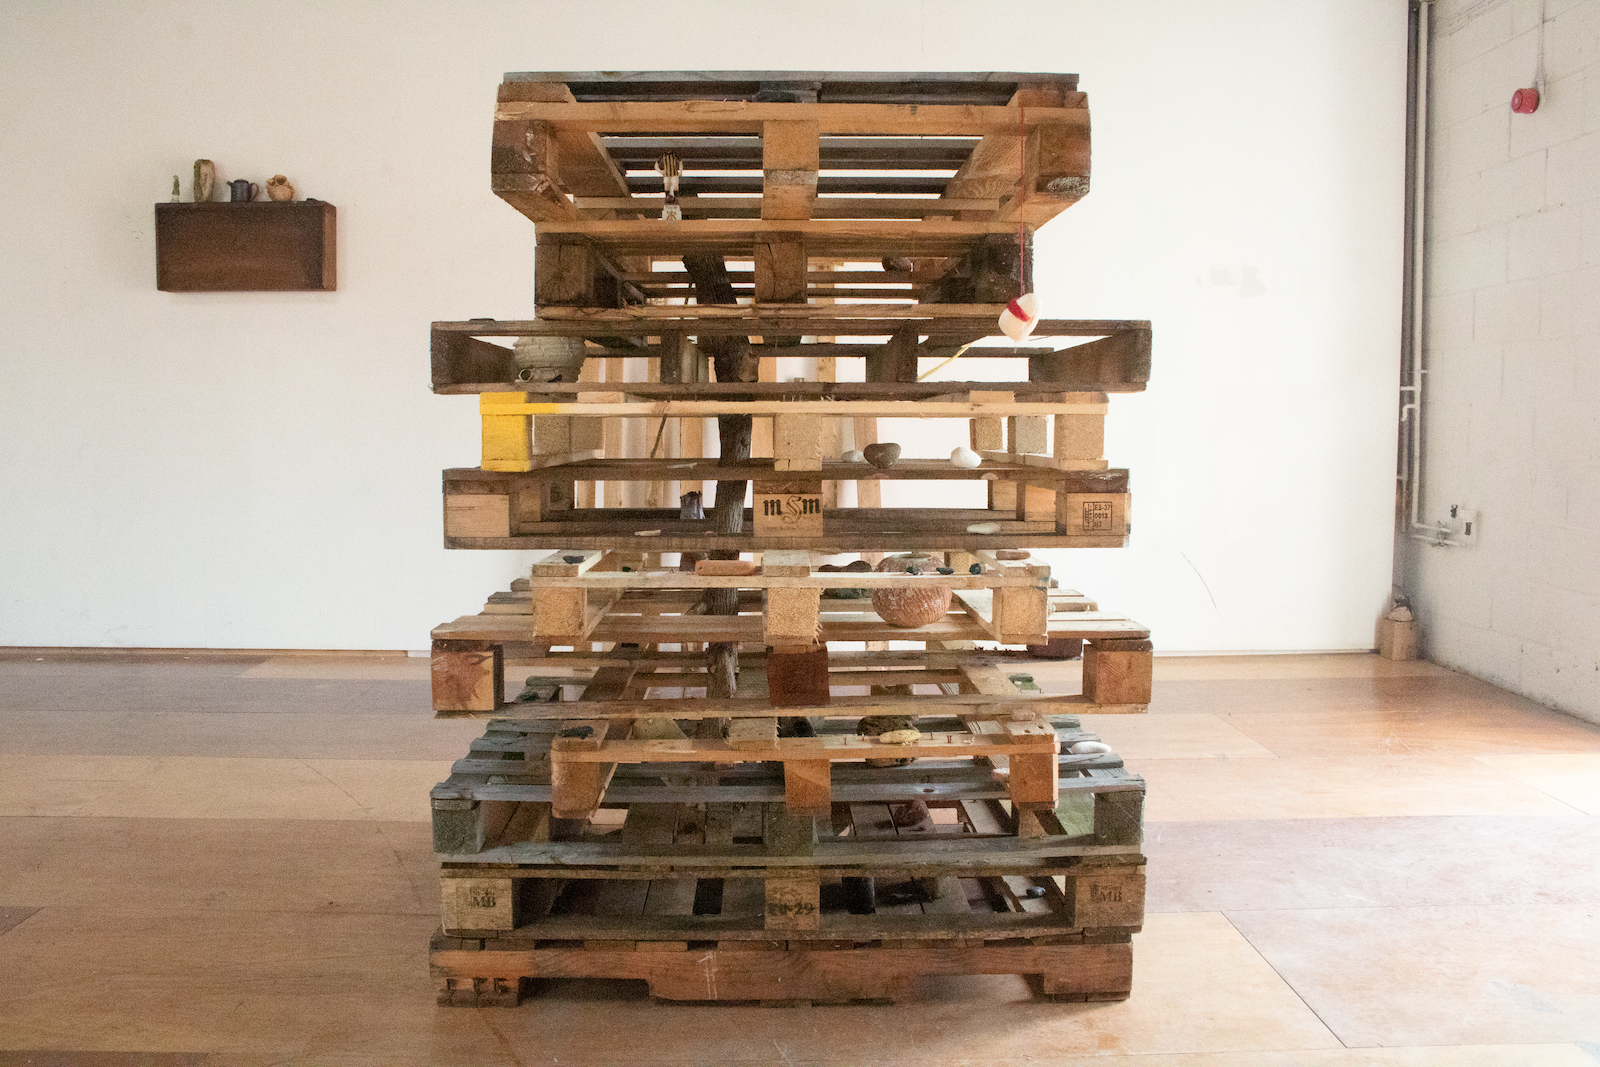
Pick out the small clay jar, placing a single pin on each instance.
(911, 606)
(278, 188)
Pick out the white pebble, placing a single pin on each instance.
(855, 455)
(962, 456)
(1084, 748)
(984, 528)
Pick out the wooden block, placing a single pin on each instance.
(525, 169)
(807, 787)
(1062, 153)
(793, 903)
(797, 442)
(753, 733)
(1028, 433)
(560, 611)
(1112, 895)
(1119, 817)
(1058, 648)
(786, 562)
(727, 568)
(458, 358)
(1102, 972)
(1105, 514)
(507, 439)
(1021, 614)
(785, 832)
(896, 361)
(1119, 362)
(478, 903)
(1002, 496)
(564, 267)
(467, 675)
(798, 679)
(477, 515)
(552, 435)
(780, 269)
(789, 508)
(1035, 503)
(1080, 437)
(1033, 781)
(791, 615)
(987, 434)
(790, 156)
(1118, 671)
(463, 827)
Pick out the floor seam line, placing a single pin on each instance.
(1285, 980)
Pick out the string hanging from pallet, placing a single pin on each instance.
(1022, 314)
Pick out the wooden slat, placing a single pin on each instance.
(739, 116)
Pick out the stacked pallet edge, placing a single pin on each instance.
(729, 774)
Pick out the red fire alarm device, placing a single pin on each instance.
(1525, 101)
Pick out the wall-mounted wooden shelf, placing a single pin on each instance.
(228, 247)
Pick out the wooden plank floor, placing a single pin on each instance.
(1351, 862)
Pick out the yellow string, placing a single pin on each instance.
(934, 370)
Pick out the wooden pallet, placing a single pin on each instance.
(564, 150)
(474, 356)
(646, 631)
(473, 973)
(1054, 506)
(631, 715)
(683, 895)
(501, 794)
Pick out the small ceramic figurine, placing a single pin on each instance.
(175, 193)
(205, 180)
(278, 188)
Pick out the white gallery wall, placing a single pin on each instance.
(262, 470)
(1512, 420)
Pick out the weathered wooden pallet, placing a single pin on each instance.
(575, 155)
(506, 791)
(468, 357)
(977, 716)
(476, 973)
(571, 593)
(633, 626)
(1065, 502)
(959, 890)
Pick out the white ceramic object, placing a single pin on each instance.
(1020, 317)
(964, 457)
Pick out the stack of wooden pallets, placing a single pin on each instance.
(733, 778)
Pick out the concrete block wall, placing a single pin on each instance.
(1512, 426)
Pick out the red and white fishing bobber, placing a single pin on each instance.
(1020, 317)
